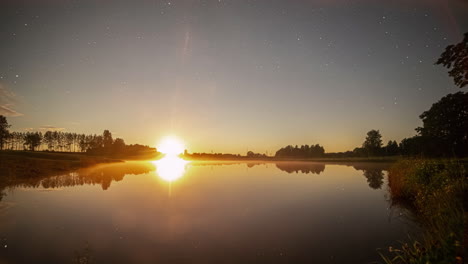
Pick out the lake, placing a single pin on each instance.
(173, 211)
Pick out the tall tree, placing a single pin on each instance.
(4, 133)
(455, 58)
(32, 140)
(107, 139)
(446, 125)
(49, 140)
(373, 142)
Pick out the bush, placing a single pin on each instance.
(435, 190)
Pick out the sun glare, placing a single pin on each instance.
(171, 146)
(170, 168)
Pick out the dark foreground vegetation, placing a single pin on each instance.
(436, 191)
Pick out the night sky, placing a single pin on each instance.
(226, 75)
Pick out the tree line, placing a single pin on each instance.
(59, 141)
(304, 151)
(445, 125)
(444, 133)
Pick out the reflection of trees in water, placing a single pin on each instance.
(249, 164)
(105, 174)
(303, 167)
(373, 173)
(100, 174)
(374, 178)
(253, 164)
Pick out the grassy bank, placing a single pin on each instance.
(21, 164)
(436, 191)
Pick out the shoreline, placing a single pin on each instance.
(28, 164)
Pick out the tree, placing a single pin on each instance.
(305, 151)
(413, 146)
(49, 140)
(4, 133)
(373, 142)
(455, 58)
(118, 146)
(446, 125)
(392, 148)
(32, 140)
(69, 140)
(107, 139)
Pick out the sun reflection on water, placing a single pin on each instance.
(170, 168)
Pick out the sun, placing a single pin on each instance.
(171, 146)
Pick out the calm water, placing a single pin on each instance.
(202, 212)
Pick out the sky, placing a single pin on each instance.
(226, 75)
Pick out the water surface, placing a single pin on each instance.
(202, 212)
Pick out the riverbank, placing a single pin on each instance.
(20, 164)
(436, 191)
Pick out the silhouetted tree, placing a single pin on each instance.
(305, 151)
(413, 146)
(446, 125)
(251, 155)
(373, 142)
(71, 142)
(118, 146)
(107, 139)
(32, 140)
(392, 148)
(358, 152)
(4, 133)
(15, 140)
(49, 140)
(455, 58)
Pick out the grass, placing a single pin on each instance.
(436, 191)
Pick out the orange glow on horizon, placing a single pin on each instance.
(171, 146)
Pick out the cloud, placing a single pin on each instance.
(7, 111)
(7, 102)
(51, 128)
